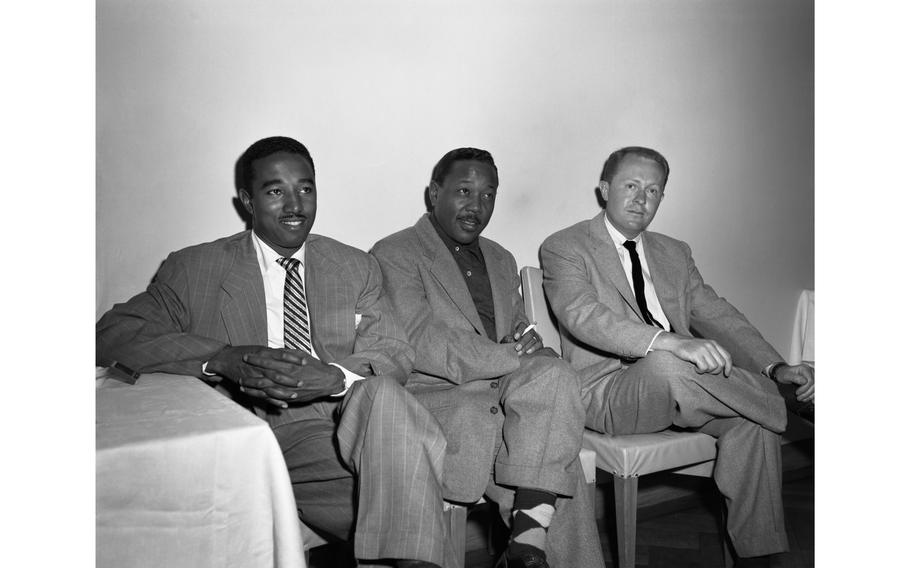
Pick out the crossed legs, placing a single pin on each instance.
(743, 411)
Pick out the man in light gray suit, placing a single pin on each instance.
(295, 326)
(625, 299)
(511, 409)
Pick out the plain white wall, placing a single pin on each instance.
(379, 91)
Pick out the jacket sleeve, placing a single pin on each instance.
(149, 333)
(457, 354)
(380, 344)
(579, 307)
(715, 318)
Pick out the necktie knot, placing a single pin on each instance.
(630, 246)
(288, 263)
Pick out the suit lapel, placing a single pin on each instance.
(608, 262)
(501, 287)
(445, 271)
(663, 268)
(244, 311)
(321, 274)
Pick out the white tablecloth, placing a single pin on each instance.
(802, 345)
(186, 477)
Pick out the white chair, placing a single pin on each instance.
(626, 457)
(310, 540)
(802, 344)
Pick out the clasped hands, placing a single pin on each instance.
(709, 356)
(277, 376)
(528, 344)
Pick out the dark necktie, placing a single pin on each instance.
(638, 283)
(296, 322)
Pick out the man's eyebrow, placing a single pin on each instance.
(278, 181)
(269, 182)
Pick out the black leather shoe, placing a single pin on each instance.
(524, 561)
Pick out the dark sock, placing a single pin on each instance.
(532, 512)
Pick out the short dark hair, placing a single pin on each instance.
(612, 163)
(444, 165)
(243, 172)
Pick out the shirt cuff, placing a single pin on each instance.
(767, 370)
(649, 349)
(204, 372)
(349, 379)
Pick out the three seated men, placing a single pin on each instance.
(423, 345)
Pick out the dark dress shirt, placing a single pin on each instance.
(474, 271)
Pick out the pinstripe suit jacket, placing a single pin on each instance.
(600, 322)
(208, 296)
(455, 359)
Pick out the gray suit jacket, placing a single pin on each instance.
(600, 323)
(455, 360)
(208, 296)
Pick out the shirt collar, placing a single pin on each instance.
(619, 238)
(268, 258)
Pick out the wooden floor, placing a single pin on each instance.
(678, 522)
(690, 537)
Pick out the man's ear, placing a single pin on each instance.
(604, 188)
(433, 193)
(246, 200)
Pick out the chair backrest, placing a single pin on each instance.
(536, 307)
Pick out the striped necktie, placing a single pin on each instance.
(296, 321)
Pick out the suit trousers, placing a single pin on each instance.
(543, 422)
(744, 412)
(376, 455)
(572, 539)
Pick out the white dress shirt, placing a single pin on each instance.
(273, 277)
(657, 313)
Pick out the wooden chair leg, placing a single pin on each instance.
(456, 518)
(493, 514)
(625, 492)
(724, 537)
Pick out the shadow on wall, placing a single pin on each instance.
(426, 199)
(238, 208)
(236, 202)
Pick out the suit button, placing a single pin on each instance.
(468, 272)
(494, 410)
(494, 385)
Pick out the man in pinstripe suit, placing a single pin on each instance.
(364, 456)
